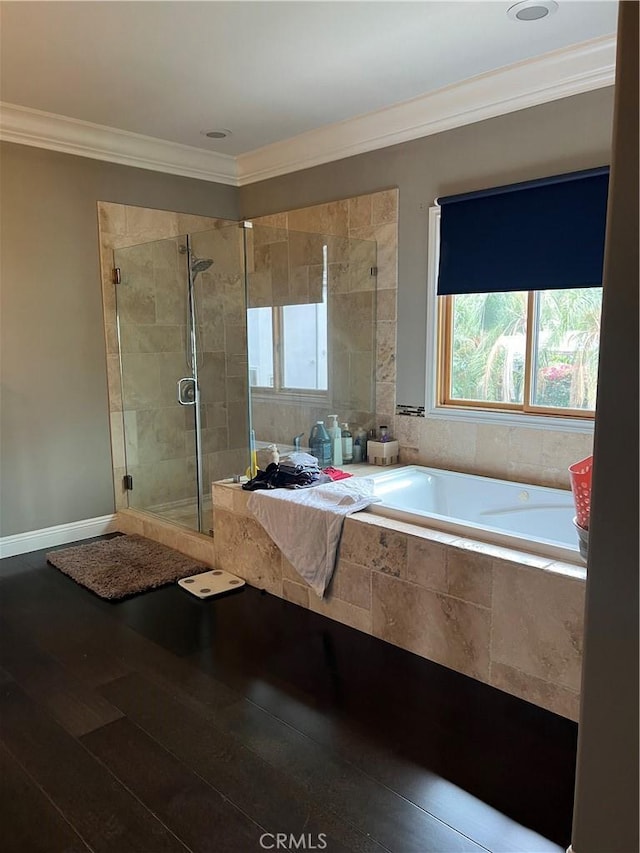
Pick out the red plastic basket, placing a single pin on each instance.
(580, 473)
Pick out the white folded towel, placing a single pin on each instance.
(306, 524)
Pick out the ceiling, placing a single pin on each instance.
(266, 71)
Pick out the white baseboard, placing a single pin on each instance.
(49, 537)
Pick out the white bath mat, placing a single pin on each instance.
(208, 584)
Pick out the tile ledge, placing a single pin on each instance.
(558, 685)
(523, 559)
(165, 523)
(415, 530)
(569, 570)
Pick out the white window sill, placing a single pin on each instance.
(510, 419)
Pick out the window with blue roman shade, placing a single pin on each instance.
(546, 234)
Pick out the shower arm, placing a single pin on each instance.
(189, 348)
(186, 250)
(194, 267)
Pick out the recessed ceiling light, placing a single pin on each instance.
(216, 134)
(532, 10)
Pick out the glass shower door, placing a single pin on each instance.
(181, 306)
(152, 300)
(221, 341)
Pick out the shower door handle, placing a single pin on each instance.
(187, 391)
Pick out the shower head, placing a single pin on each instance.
(199, 264)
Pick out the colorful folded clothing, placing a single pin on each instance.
(336, 473)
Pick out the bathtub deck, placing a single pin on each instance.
(169, 723)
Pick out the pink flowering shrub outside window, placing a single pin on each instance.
(554, 385)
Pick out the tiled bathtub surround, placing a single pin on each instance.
(510, 619)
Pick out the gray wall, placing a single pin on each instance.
(606, 808)
(54, 419)
(563, 136)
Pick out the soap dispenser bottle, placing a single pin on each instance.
(335, 433)
(347, 444)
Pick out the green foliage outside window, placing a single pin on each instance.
(489, 344)
(488, 347)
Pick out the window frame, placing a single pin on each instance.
(438, 373)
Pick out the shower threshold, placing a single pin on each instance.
(184, 513)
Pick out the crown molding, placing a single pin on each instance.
(85, 139)
(559, 74)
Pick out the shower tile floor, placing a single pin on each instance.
(186, 515)
(166, 723)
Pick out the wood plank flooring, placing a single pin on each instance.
(166, 723)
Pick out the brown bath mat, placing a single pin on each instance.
(123, 566)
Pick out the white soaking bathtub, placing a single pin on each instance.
(528, 518)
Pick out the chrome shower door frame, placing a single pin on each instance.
(192, 358)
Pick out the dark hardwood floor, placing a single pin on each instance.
(166, 723)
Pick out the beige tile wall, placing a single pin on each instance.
(363, 331)
(537, 456)
(284, 267)
(509, 619)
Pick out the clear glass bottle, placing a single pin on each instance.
(335, 435)
(320, 444)
(362, 435)
(347, 444)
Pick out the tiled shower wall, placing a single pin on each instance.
(160, 439)
(288, 268)
(355, 299)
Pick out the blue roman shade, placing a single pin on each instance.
(536, 235)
